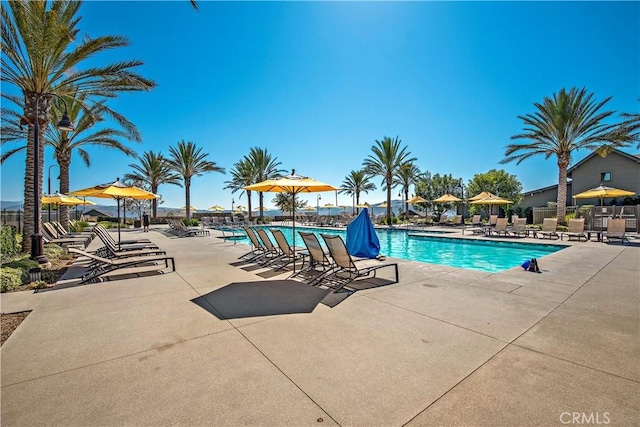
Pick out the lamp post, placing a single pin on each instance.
(318, 204)
(37, 250)
(49, 191)
(461, 186)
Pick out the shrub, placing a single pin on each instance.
(55, 252)
(79, 226)
(9, 246)
(40, 284)
(190, 222)
(10, 278)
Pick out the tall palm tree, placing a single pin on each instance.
(42, 57)
(153, 170)
(386, 160)
(65, 143)
(189, 161)
(631, 126)
(241, 176)
(264, 167)
(355, 183)
(566, 122)
(407, 175)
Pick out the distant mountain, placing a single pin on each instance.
(13, 206)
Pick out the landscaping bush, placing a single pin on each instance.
(79, 226)
(10, 278)
(9, 246)
(108, 224)
(190, 222)
(55, 252)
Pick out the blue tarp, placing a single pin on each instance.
(362, 240)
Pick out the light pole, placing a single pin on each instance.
(49, 191)
(37, 250)
(461, 186)
(318, 204)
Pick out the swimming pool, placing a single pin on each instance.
(473, 254)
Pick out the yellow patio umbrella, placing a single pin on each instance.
(216, 208)
(481, 196)
(60, 199)
(603, 192)
(491, 200)
(292, 184)
(264, 208)
(191, 208)
(115, 190)
(416, 199)
(363, 205)
(308, 208)
(447, 198)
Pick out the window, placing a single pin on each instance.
(605, 176)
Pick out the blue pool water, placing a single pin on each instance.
(473, 254)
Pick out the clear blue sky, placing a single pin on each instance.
(316, 83)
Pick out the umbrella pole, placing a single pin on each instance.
(293, 249)
(118, 199)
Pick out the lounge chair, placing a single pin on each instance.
(100, 229)
(501, 228)
(519, 228)
(493, 219)
(476, 226)
(101, 266)
(443, 219)
(272, 253)
(616, 229)
(111, 249)
(179, 229)
(258, 248)
(348, 268)
(49, 236)
(549, 226)
(576, 229)
(64, 233)
(318, 258)
(289, 254)
(455, 221)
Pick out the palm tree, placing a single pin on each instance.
(44, 57)
(386, 160)
(631, 126)
(407, 175)
(263, 167)
(569, 121)
(189, 161)
(153, 170)
(242, 175)
(355, 183)
(64, 143)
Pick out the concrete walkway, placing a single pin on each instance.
(217, 344)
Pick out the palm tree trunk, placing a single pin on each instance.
(406, 197)
(64, 189)
(261, 198)
(28, 225)
(154, 202)
(563, 163)
(187, 196)
(389, 202)
(44, 106)
(357, 202)
(249, 203)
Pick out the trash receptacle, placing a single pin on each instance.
(137, 223)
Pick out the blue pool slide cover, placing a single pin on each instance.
(362, 240)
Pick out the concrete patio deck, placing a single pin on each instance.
(216, 344)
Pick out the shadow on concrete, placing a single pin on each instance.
(261, 298)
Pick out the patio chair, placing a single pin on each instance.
(111, 249)
(443, 219)
(100, 229)
(272, 253)
(258, 248)
(49, 236)
(289, 254)
(519, 228)
(455, 221)
(576, 229)
(318, 258)
(348, 268)
(101, 266)
(501, 228)
(549, 226)
(493, 219)
(616, 229)
(476, 221)
(64, 233)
